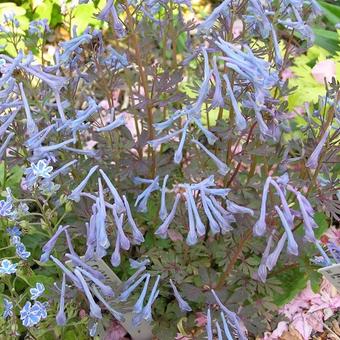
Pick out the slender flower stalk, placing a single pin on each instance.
(313, 159)
(274, 256)
(48, 247)
(75, 194)
(119, 203)
(61, 317)
(162, 230)
(222, 167)
(137, 235)
(4, 146)
(292, 245)
(67, 272)
(208, 326)
(31, 127)
(103, 287)
(124, 241)
(260, 226)
(95, 310)
(77, 261)
(163, 213)
(138, 306)
(117, 315)
(183, 305)
(240, 121)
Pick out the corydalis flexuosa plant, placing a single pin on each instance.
(153, 151)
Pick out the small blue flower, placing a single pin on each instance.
(21, 251)
(5, 208)
(31, 315)
(14, 231)
(8, 308)
(28, 316)
(7, 267)
(37, 291)
(41, 169)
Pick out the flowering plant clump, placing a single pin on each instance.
(151, 171)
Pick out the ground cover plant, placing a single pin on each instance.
(162, 174)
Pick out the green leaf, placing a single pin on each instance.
(331, 12)
(327, 39)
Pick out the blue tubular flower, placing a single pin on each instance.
(240, 121)
(214, 227)
(163, 213)
(278, 57)
(209, 135)
(115, 257)
(217, 211)
(103, 287)
(93, 329)
(334, 250)
(327, 260)
(307, 215)
(102, 239)
(137, 235)
(257, 18)
(21, 251)
(37, 291)
(133, 277)
(208, 326)
(119, 121)
(217, 100)
(192, 236)
(36, 140)
(260, 226)
(48, 247)
(127, 292)
(118, 201)
(162, 230)
(69, 242)
(95, 310)
(233, 318)
(262, 271)
(142, 199)
(237, 209)
(200, 227)
(4, 145)
(155, 143)
(7, 267)
(77, 261)
(292, 246)
(219, 332)
(222, 9)
(61, 317)
(72, 45)
(183, 305)
(30, 316)
(313, 160)
(75, 194)
(104, 15)
(274, 256)
(124, 241)
(117, 315)
(226, 328)
(222, 167)
(286, 211)
(8, 122)
(62, 170)
(179, 152)
(135, 264)
(147, 312)
(67, 272)
(138, 306)
(31, 127)
(8, 309)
